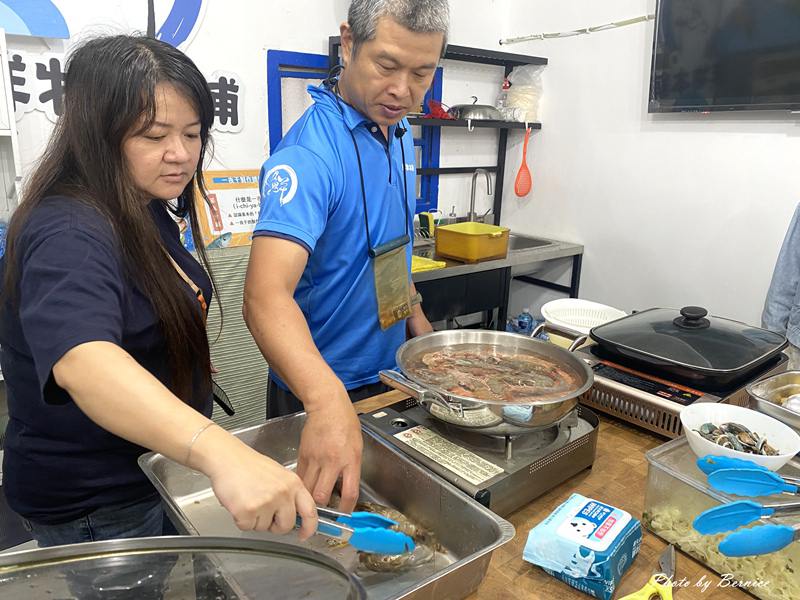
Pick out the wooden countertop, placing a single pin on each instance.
(618, 478)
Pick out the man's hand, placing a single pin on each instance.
(418, 324)
(330, 447)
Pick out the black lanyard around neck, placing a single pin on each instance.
(404, 239)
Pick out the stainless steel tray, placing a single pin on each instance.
(766, 394)
(468, 531)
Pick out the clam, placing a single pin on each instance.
(723, 439)
(747, 439)
(735, 442)
(707, 429)
(734, 428)
(751, 442)
(736, 437)
(768, 450)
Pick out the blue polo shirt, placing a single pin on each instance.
(311, 194)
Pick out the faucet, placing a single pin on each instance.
(471, 215)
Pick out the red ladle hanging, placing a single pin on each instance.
(524, 180)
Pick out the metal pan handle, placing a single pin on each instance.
(579, 341)
(422, 395)
(576, 343)
(537, 330)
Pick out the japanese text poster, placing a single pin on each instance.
(233, 211)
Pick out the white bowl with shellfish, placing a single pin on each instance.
(727, 430)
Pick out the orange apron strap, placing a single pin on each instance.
(197, 291)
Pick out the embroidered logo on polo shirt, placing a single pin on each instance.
(280, 182)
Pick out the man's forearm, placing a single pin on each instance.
(416, 309)
(282, 335)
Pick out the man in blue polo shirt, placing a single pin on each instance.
(337, 192)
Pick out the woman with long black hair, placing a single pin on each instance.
(102, 321)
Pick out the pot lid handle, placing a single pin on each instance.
(692, 317)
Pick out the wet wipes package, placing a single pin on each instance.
(585, 543)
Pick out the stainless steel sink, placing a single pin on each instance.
(521, 242)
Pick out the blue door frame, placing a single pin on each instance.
(280, 64)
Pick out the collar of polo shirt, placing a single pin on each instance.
(354, 118)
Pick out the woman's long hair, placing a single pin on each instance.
(109, 94)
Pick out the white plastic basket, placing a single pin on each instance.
(577, 317)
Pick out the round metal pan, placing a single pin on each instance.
(491, 417)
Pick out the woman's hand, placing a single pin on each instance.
(119, 395)
(260, 494)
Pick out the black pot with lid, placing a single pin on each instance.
(689, 346)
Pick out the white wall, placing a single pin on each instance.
(236, 35)
(478, 24)
(232, 36)
(672, 209)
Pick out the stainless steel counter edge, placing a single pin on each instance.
(556, 249)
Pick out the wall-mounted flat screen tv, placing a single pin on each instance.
(726, 55)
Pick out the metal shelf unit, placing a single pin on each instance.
(425, 122)
(506, 60)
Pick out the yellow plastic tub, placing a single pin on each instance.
(472, 242)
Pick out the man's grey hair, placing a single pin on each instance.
(419, 16)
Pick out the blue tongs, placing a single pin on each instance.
(365, 531)
(745, 478)
(742, 477)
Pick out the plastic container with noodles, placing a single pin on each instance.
(677, 491)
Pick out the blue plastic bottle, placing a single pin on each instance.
(3, 231)
(525, 322)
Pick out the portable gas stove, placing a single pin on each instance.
(502, 473)
(653, 402)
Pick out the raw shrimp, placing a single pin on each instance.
(424, 540)
(492, 374)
